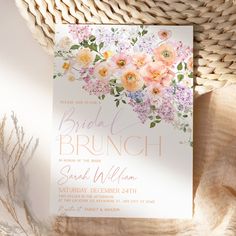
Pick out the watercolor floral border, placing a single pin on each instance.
(149, 71)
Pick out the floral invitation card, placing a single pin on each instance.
(122, 121)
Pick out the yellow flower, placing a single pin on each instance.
(107, 54)
(131, 80)
(71, 78)
(85, 57)
(66, 66)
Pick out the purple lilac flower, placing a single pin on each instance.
(86, 78)
(97, 87)
(183, 51)
(105, 35)
(142, 109)
(145, 44)
(166, 111)
(183, 96)
(79, 32)
(168, 93)
(123, 46)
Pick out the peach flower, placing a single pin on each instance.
(102, 70)
(121, 60)
(164, 34)
(141, 59)
(165, 53)
(131, 80)
(167, 78)
(154, 91)
(85, 57)
(71, 77)
(190, 63)
(107, 54)
(154, 72)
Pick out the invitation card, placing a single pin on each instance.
(122, 121)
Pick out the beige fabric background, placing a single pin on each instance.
(214, 181)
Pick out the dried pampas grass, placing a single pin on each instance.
(15, 153)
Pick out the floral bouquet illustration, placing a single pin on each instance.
(142, 68)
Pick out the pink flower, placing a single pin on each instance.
(121, 60)
(97, 87)
(79, 32)
(164, 34)
(182, 51)
(167, 78)
(154, 91)
(190, 63)
(154, 72)
(165, 53)
(102, 70)
(141, 59)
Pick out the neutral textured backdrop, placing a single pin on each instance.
(26, 89)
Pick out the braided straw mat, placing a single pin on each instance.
(214, 27)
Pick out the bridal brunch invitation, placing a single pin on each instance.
(122, 121)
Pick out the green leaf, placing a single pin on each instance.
(138, 100)
(92, 38)
(180, 77)
(153, 107)
(93, 47)
(97, 58)
(144, 32)
(190, 75)
(185, 66)
(117, 103)
(185, 116)
(134, 40)
(103, 96)
(124, 101)
(180, 66)
(74, 47)
(101, 45)
(84, 42)
(157, 121)
(119, 89)
(113, 81)
(112, 91)
(153, 124)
